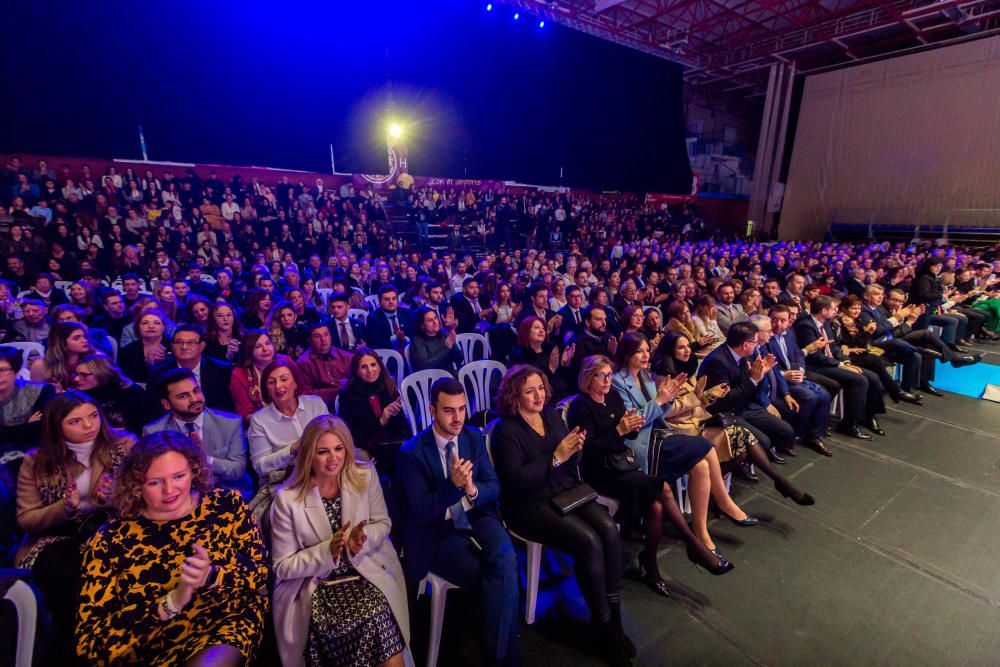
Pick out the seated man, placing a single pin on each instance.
(389, 326)
(889, 333)
(323, 366)
(213, 376)
(729, 312)
(220, 434)
(450, 492)
(808, 416)
(348, 332)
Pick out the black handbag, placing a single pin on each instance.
(573, 499)
(721, 420)
(623, 461)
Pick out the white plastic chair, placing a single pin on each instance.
(837, 405)
(325, 292)
(439, 593)
(114, 348)
(207, 278)
(406, 355)
(393, 362)
(476, 378)
(467, 342)
(25, 604)
(415, 390)
(27, 349)
(533, 550)
(372, 301)
(358, 314)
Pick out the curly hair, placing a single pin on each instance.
(127, 494)
(509, 393)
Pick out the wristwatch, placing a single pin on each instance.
(556, 462)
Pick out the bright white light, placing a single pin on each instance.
(489, 7)
(541, 24)
(517, 16)
(395, 130)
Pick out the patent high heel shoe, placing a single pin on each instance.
(788, 491)
(718, 569)
(748, 522)
(655, 582)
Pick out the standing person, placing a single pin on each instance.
(339, 596)
(180, 576)
(220, 434)
(538, 461)
(450, 492)
(63, 493)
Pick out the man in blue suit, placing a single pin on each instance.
(452, 526)
(219, 434)
(390, 326)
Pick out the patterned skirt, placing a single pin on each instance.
(352, 625)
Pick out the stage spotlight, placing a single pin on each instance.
(541, 24)
(395, 130)
(517, 16)
(489, 7)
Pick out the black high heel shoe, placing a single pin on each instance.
(657, 584)
(788, 491)
(718, 569)
(749, 522)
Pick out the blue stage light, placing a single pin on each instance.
(489, 7)
(541, 24)
(517, 16)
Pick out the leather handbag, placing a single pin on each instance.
(573, 499)
(721, 420)
(622, 461)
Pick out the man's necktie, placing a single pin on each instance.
(345, 339)
(784, 352)
(457, 510)
(475, 307)
(393, 322)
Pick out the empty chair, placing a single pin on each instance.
(393, 363)
(415, 390)
(474, 346)
(479, 378)
(372, 301)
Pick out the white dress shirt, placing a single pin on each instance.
(272, 434)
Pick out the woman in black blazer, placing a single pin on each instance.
(536, 459)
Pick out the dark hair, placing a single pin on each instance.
(665, 362)
(275, 365)
(470, 279)
(309, 327)
(740, 333)
(627, 346)
(213, 329)
(590, 310)
(510, 388)
(340, 297)
(129, 276)
(779, 308)
(820, 303)
(13, 356)
(384, 377)
(247, 343)
(52, 455)
(387, 289)
(188, 328)
(448, 386)
(168, 378)
(572, 288)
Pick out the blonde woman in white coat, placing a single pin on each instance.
(340, 597)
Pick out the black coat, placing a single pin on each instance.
(215, 376)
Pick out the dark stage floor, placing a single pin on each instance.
(897, 563)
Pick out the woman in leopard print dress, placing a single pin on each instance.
(181, 576)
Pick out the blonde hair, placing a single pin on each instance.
(300, 480)
(589, 368)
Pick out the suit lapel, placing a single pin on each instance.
(433, 457)
(316, 514)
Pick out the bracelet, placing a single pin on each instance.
(168, 608)
(556, 462)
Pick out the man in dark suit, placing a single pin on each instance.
(187, 346)
(728, 364)
(389, 326)
(537, 305)
(862, 388)
(469, 307)
(348, 332)
(571, 314)
(807, 416)
(592, 338)
(452, 527)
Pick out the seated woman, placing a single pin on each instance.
(197, 311)
(21, 403)
(537, 461)
(224, 333)
(82, 296)
(652, 322)
(258, 305)
(125, 404)
(682, 324)
(276, 428)
(168, 301)
(688, 415)
(67, 342)
(430, 347)
(371, 406)
(631, 319)
(855, 341)
(670, 455)
(305, 313)
(180, 577)
(609, 465)
(63, 489)
(534, 349)
(138, 357)
(256, 354)
(501, 332)
(131, 332)
(100, 341)
(339, 597)
(705, 324)
(283, 328)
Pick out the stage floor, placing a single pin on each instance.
(897, 563)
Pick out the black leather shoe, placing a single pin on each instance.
(928, 352)
(743, 472)
(907, 397)
(788, 452)
(933, 391)
(958, 362)
(772, 454)
(872, 425)
(854, 431)
(817, 445)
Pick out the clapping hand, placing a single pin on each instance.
(357, 538)
(400, 334)
(461, 471)
(717, 392)
(630, 421)
(194, 574)
(339, 539)
(72, 498)
(104, 489)
(449, 339)
(761, 367)
(570, 445)
(670, 387)
(699, 387)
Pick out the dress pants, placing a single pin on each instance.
(901, 352)
(776, 431)
(814, 409)
(862, 393)
(591, 537)
(949, 327)
(494, 572)
(976, 318)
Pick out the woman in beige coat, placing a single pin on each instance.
(340, 597)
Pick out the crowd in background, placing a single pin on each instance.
(187, 453)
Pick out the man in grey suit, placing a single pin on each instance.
(219, 434)
(729, 312)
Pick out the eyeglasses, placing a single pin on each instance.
(603, 376)
(187, 343)
(6, 370)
